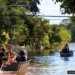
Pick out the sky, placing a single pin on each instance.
(48, 7)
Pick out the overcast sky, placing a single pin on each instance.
(48, 7)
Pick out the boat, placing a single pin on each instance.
(19, 68)
(15, 66)
(66, 54)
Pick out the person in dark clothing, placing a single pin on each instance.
(22, 55)
(65, 49)
(3, 56)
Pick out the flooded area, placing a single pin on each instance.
(51, 65)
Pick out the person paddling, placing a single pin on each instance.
(65, 49)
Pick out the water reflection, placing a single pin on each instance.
(65, 58)
(53, 65)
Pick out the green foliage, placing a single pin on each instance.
(65, 35)
(59, 36)
(67, 6)
(4, 37)
(70, 25)
(11, 19)
(54, 36)
(33, 5)
(72, 29)
(27, 5)
(29, 30)
(37, 30)
(45, 41)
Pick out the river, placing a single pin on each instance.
(52, 65)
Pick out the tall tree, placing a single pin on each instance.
(38, 29)
(11, 12)
(58, 36)
(67, 6)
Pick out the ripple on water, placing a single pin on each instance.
(45, 71)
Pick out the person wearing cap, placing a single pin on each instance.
(22, 55)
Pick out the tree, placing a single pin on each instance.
(11, 20)
(11, 11)
(71, 27)
(58, 36)
(67, 6)
(38, 29)
(65, 35)
(4, 37)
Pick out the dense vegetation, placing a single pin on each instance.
(67, 6)
(70, 25)
(31, 30)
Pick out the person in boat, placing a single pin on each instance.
(10, 64)
(22, 55)
(65, 49)
(3, 56)
(10, 58)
